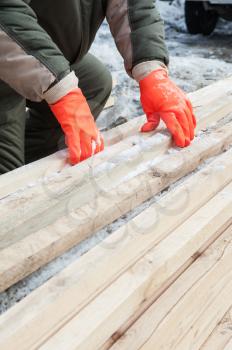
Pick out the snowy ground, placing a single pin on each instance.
(196, 61)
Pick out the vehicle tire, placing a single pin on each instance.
(198, 20)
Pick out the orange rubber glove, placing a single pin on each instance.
(82, 136)
(162, 99)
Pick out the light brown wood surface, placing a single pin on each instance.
(115, 198)
(134, 168)
(210, 97)
(221, 335)
(185, 315)
(97, 269)
(127, 295)
(228, 345)
(67, 201)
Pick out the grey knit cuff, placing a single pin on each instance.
(142, 70)
(61, 89)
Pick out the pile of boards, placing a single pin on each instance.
(162, 280)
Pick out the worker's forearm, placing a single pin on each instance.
(138, 31)
(29, 60)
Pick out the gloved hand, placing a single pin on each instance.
(82, 136)
(162, 99)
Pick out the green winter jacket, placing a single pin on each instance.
(40, 38)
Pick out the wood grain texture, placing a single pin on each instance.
(115, 196)
(35, 208)
(221, 335)
(203, 101)
(106, 314)
(228, 345)
(38, 207)
(185, 315)
(97, 269)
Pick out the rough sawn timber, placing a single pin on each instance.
(135, 289)
(216, 96)
(46, 310)
(221, 335)
(42, 245)
(186, 314)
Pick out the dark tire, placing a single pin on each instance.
(198, 20)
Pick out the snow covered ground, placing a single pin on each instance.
(196, 61)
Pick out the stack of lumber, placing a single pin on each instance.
(162, 280)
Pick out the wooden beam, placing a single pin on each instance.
(221, 335)
(53, 194)
(120, 195)
(45, 167)
(209, 93)
(53, 191)
(30, 209)
(211, 113)
(128, 295)
(185, 315)
(48, 167)
(228, 345)
(98, 268)
(203, 100)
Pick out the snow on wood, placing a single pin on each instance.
(119, 197)
(212, 102)
(139, 285)
(43, 221)
(46, 310)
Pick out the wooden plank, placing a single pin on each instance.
(137, 286)
(211, 113)
(98, 268)
(203, 291)
(228, 345)
(48, 167)
(70, 191)
(219, 92)
(45, 244)
(31, 173)
(210, 92)
(34, 201)
(221, 335)
(204, 101)
(205, 324)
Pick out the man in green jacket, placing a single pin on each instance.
(45, 65)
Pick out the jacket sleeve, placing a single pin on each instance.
(138, 31)
(29, 60)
